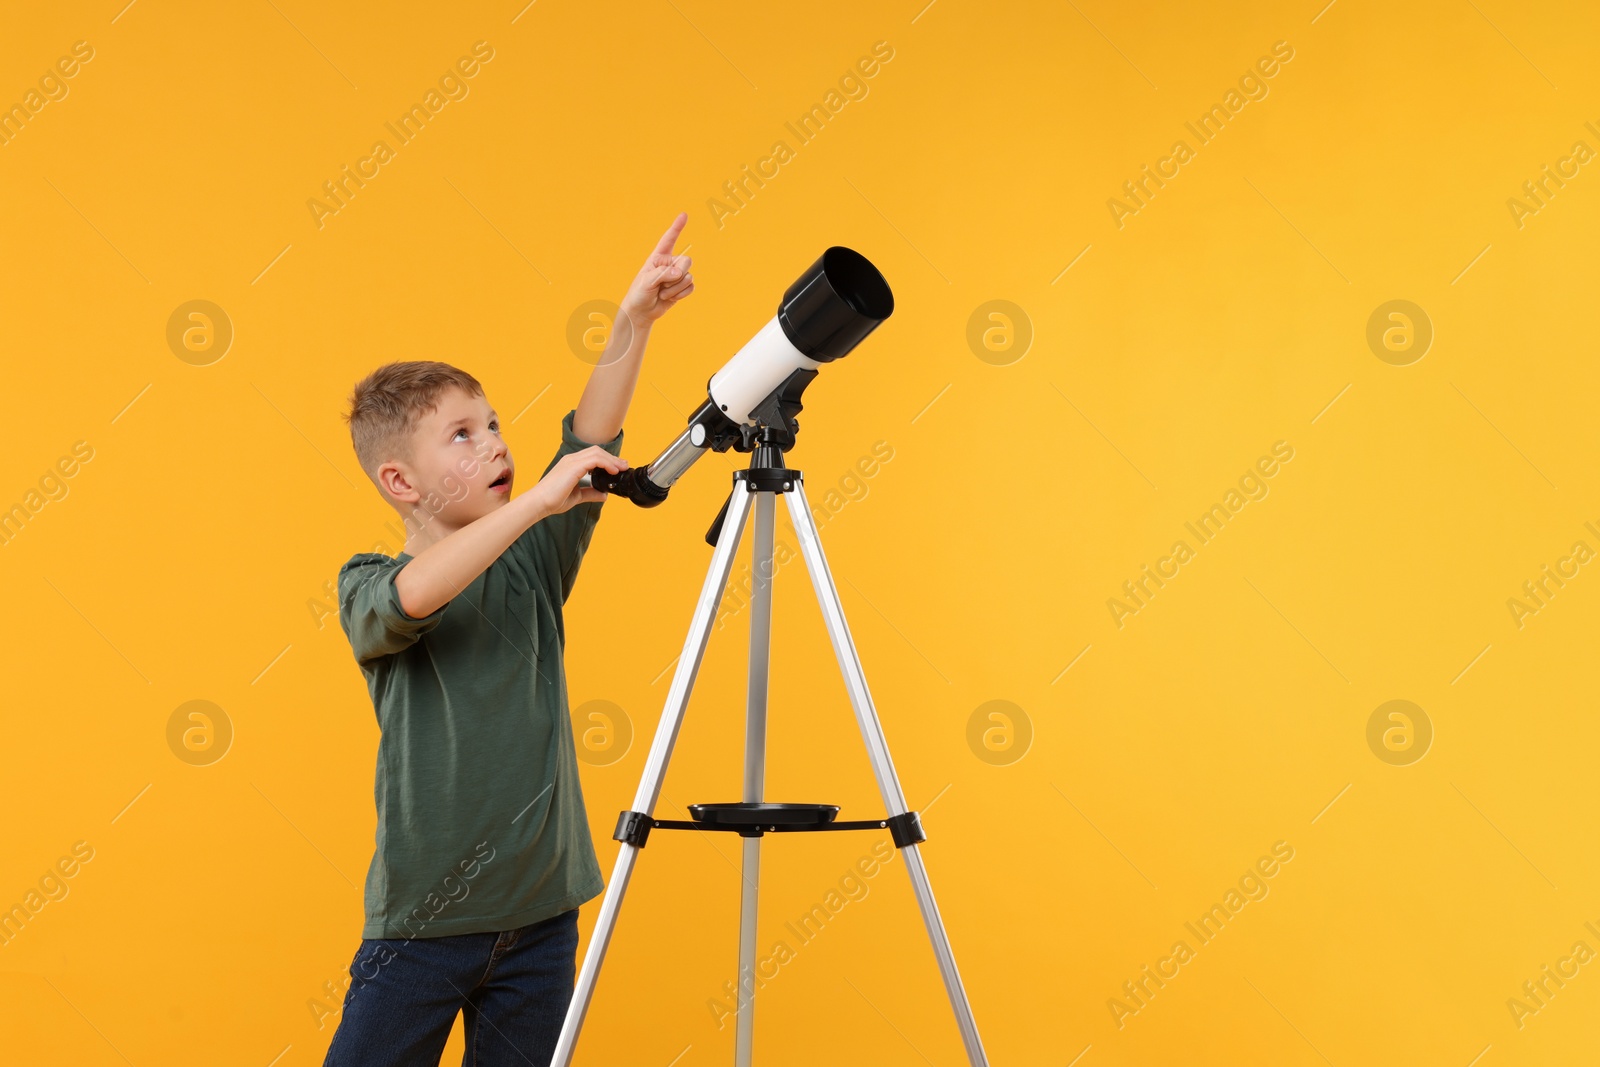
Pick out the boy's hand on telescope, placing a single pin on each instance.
(559, 490)
(661, 282)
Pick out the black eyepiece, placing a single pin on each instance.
(632, 483)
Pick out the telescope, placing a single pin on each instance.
(750, 406)
(754, 398)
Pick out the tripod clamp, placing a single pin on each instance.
(756, 819)
(766, 474)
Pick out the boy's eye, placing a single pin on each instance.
(494, 426)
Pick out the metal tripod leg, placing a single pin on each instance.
(755, 770)
(878, 751)
(694, 647)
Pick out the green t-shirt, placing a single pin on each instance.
(481, 823)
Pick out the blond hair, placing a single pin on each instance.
(387, 404)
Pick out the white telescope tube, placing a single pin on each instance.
(829, 309)
(756, 370)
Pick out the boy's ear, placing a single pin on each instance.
(395, 481)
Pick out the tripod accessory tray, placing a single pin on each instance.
(751, 815)
(756, 819)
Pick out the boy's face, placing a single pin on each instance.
(460, 469)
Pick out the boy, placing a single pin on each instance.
(483, 849)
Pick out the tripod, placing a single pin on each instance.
(766, 478)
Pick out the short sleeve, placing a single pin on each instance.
(370, 611)
(558, 542)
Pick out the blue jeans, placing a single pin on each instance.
(514, 988)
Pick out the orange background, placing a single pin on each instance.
(1070, 840)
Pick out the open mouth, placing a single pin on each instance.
(501, 484)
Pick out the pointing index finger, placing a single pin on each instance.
(668, 239)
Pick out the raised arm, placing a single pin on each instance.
(660, 284)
